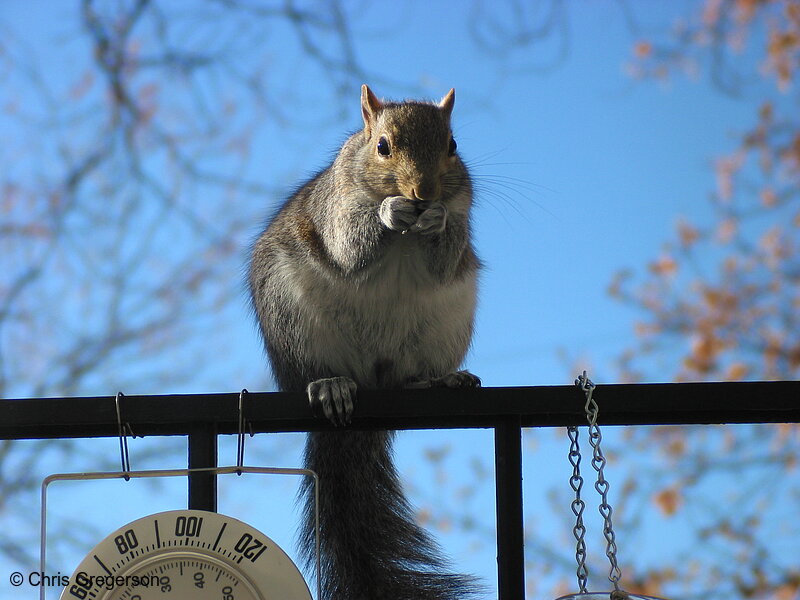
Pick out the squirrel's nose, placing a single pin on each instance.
(426, 190)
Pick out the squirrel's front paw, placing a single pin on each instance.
(398, 213)
(431, 220)
(334, 398)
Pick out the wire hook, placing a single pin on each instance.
(124, 431)
(583, 382)
(240, 437)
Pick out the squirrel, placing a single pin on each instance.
(366, 278)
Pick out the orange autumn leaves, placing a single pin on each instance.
(669, 500)
(742, 322)
(722, 299)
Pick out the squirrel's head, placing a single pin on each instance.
(409, 147)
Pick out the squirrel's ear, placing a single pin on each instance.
(370, 105)
(448, 101)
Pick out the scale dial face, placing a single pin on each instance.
(186, 555)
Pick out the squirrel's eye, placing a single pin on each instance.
(383, 147)
(452, 149)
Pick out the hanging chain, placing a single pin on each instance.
(599, 462)
(576, 482)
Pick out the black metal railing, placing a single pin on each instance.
(202, 417)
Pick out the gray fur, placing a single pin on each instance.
(367, 278)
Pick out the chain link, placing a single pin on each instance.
(576, 482)
(602, 486)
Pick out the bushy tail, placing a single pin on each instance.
(371, 548)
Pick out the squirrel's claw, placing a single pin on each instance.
(333, 398)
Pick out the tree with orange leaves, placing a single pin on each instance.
(742, 321)
(722, 302)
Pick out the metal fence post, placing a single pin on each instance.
(203, 454)
(508, 484)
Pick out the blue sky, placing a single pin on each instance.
(581, 171)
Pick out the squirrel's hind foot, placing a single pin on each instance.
(456, 379)
(334, 398)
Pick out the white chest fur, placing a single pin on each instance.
(395, 324)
